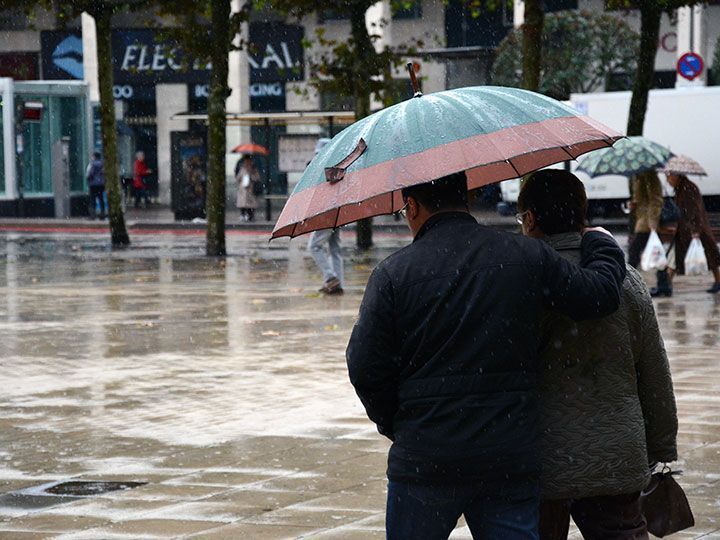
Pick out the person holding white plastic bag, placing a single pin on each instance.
(247, 176)
(693, 223)
(653, 256)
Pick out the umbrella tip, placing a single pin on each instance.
(413, 80)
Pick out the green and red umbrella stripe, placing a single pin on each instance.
(493, 133)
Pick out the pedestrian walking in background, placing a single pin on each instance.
(140, 173)
(96, 185)
(607, 407)
(247, 176)
(444, 359)
(324, 246)
(646, 205)
(693, 223)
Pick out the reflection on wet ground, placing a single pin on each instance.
(222, 384)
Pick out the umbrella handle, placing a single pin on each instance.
(413, 80)
(337, 173)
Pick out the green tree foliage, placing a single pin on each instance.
(102, 11)
(207, 30)
(580, 52)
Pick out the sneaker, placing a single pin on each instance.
(715, 288)
(332, 286)
(336, 290)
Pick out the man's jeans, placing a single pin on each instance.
(431, 512)
(329, 262)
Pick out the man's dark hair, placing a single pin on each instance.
(448, 192)
(557, 199)
(96, 154)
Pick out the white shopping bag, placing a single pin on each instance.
(695, 260)
(653, 257)
(245, 182)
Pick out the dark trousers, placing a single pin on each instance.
(141, 193)
(636, 247)
(431, 512)
(97, 197)
(248, 213)
(616, 517)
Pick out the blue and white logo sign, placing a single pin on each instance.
(68, 56)
(62, 55)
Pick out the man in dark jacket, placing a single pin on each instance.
(444, 354)
(607, 407)
(96, 185)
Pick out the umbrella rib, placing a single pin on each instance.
(514, 168)
(564, 149)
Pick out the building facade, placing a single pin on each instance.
(153, 86)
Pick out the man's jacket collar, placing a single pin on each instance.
(441, 217)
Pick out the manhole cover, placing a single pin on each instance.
(88, 488)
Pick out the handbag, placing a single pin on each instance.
(670, 212)
(665, 505)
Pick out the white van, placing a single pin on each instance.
(686, 120)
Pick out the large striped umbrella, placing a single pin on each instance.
(628, 157)
(493, 133)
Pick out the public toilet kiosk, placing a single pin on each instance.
(46, 131)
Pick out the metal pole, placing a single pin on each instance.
(331, 126)
(268, 202)
(692, 28)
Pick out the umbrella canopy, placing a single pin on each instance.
(628, 157)
(493, 133)
(252, 149)
(683, 165)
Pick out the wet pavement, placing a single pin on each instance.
(222, 385)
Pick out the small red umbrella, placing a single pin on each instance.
(252, 149)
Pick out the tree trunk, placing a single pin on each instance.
(649, 33)
(118, 232)
(532, 44)
(364, 48)
(215, 204)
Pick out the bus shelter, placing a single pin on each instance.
(46, 131)
(289, 136)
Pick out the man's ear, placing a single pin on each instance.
(413, 207)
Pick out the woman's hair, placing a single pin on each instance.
(557, 200)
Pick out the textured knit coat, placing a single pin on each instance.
(693, 220)
(606, 395)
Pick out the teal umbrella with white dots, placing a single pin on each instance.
(627, 157)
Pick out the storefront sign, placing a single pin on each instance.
(295, 152)
(62, 55)
(276, 52)
(267, 97)
(142, 56)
